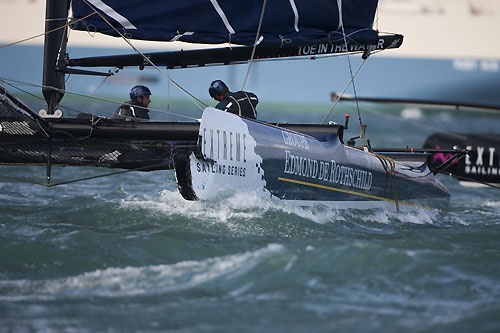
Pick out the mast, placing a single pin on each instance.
(56, 15)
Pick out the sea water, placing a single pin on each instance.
(127, 253)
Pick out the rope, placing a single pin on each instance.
(390, 167)
(254, 44)
(82, 179)
(147, 59)
(47, 32)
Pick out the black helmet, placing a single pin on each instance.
(217, 88)
(139, 91)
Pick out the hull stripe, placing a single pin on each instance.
(350, 192)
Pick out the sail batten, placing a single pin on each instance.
(223, 16)
(229, 21)
(113, 14)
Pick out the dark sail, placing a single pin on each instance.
(285, 22)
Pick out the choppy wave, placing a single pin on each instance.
(250, 205)
(149, 280)
(493, 204)
(129, 254)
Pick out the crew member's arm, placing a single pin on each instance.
(252, 102)
(254, 99)
(125, 111)
(227, 106)
(122, 112)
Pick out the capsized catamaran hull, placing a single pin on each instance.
(246, 155)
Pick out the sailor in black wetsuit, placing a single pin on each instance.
(241, 103)
(137, 107)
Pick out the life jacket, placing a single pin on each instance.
(241, 103)
(131, 109)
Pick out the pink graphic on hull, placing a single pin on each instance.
(443, 157)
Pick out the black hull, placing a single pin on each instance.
(482, 163)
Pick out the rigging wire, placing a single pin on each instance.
(316, 57)
(63, 37)
(85, 102)
(450, 174)
(24, 91)
(168, 75)
(147, 59)
(62, 40)
(366, 106)
(168, 93)
(255, 43)
(89, 96)
(82, 179)
(42, 99)
(47, 32)
(363, 137)
(342, 93)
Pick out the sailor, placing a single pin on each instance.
(137, 107)
(241, 103)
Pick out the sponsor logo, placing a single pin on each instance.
(223, 144)
(326, 48)
(327, 171)
(226, 152)
(228, 159)
(223, 169)
(295, 140)
(484, 163)
(439, 158)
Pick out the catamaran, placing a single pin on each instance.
(301, 163)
